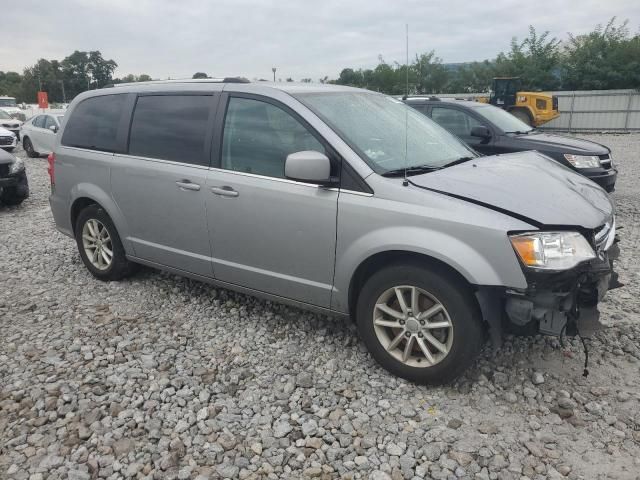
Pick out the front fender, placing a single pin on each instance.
(491, 261)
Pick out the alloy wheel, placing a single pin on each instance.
(97, 244)
(413, 326)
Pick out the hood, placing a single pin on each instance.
(13, 123)
(5, 133)
(560, 143)
(10, 110)
(528, 186)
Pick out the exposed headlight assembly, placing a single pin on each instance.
(552, 250)
(16, 167)
(583, 161)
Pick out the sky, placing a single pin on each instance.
(302, 39)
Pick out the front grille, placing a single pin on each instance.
(4, 170)
(605, 161)
(6, 140)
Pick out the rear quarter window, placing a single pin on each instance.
(94, 123)
(171, 127)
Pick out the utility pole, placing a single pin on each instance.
(274, 73)
(64, 96)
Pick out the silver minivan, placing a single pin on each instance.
(338, 200)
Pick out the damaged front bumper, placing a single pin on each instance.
(559, 303)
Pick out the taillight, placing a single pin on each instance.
(51, 170)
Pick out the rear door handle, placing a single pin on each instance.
(188, 185)
(225, 191)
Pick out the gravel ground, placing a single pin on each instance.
(162, 377)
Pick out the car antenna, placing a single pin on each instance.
(405, 181)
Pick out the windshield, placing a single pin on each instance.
(502, 119)
(7, 102)
(376, 127)
(4, 115)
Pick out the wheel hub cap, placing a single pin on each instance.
(413, 325)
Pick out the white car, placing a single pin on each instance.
(39, 132)
(9, 105)
(8, 140)
(10, 123)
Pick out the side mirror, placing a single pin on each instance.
(481, 131)
(53, 128)
(308, 166)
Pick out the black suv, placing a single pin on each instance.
(13, 180)
(491, 130)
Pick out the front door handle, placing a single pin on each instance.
(225, 191)
(188, 185)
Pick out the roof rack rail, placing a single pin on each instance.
(424, 97)
(185, 80)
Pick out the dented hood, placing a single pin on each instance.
(527, 185)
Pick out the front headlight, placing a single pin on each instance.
(552, 250)
(16, 167)
(583, 161)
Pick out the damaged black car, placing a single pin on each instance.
(14, 187)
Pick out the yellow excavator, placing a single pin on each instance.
(533, 108)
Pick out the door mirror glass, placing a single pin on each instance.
(308, 166)
(480, 131)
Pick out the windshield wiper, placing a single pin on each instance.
(520, 132)
(413, 170)
(458, 161)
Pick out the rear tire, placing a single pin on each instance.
(28, 147)
(413, 342)
(100, 247)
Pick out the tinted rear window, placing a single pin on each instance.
(94, 123)
(171, 127)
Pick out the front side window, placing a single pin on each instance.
(38, 121)
(49, 122)
(388, 134)
(171, 127)
(455, 121)
(94, 123)
(258, 136)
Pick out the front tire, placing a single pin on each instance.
(420, 323)
(99, 245)
(28, 147)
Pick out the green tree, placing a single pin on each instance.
(45, 75)
(536, 60)
(607, 58)
(11, 85)
(200, 75)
